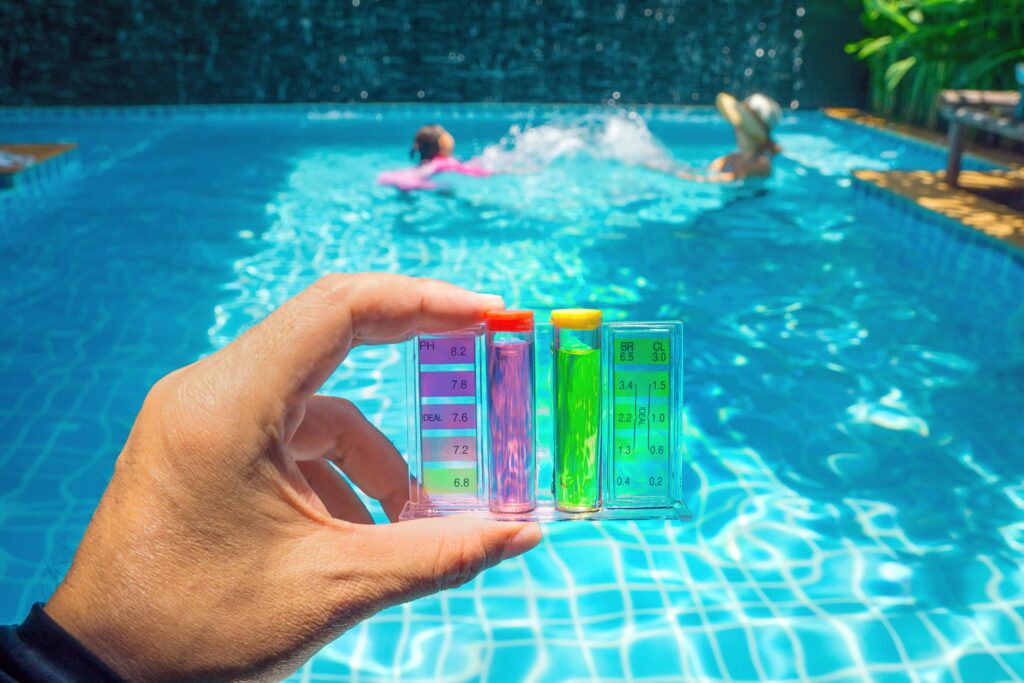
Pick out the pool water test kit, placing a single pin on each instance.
(607, 396)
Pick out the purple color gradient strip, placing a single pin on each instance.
(457, 416)
(447, 350)
(448, 383)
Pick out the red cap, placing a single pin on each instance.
(509, 321)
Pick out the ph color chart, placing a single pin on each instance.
(448, 415)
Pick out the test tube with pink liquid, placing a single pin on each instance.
(511, 408)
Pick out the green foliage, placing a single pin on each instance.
(916, 48)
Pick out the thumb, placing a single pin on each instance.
(424, 556)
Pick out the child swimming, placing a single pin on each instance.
(752, 120)
(434, 146)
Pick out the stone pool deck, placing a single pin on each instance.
(968, 204)
(32, 160)
(930, 191)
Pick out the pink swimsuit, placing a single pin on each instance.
(418, 177)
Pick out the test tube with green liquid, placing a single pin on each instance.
(577, 391)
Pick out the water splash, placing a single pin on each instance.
(615, 136)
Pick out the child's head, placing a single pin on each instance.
(432, 141)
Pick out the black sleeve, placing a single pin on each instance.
(39, 650)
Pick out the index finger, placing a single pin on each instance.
(289, 355)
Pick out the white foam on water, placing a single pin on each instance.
(616, 136)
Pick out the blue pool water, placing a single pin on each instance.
(854, 376)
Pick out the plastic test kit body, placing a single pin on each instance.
(607, 398)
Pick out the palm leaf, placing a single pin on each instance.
(941, 44)
(869, 46)
(896, 71)
(979, 68)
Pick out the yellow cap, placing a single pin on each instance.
(576, 318)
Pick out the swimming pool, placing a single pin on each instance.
(854, 375)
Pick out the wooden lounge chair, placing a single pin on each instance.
(988, 110)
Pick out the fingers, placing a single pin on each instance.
(334, 428)
(424, 556)
(334, 492)
(288, 356)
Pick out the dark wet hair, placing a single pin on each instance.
(426, 142)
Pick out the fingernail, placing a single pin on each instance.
(528, 537)
(494, 302)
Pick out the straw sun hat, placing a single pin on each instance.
(755, 116)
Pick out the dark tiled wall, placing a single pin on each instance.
(188, 51)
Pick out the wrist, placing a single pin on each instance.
(97, 623)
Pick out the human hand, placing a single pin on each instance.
(225, 545)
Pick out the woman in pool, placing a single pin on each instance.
(435, 146)
(752, 120)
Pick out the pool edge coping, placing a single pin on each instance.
(915, 183)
